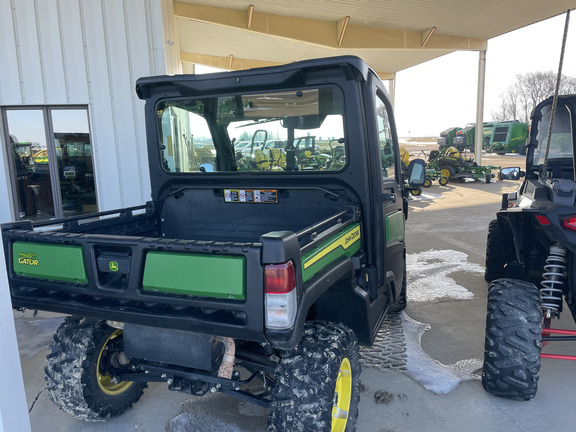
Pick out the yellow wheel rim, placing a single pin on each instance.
(445, 173)
(105, 381)
(342, 397)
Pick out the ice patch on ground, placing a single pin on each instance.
(217, 413)
(426, 196)
(431, 374)
(428, 275)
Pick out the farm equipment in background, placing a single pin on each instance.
(487, 134)
(451, 165)
(447, 138)
(433, 175)
(464, 138)
(509, 137)
(406, 185)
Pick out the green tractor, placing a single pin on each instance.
(509, 137)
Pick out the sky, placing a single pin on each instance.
(442, 93)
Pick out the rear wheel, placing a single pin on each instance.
(513, 340)
(488, 178)
(317, 382)
(447, 171)
(427, 182)
(79, 371)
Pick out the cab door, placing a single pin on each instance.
(393, 254)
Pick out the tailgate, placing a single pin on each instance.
(200, 285)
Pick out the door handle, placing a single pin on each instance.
(389, 196)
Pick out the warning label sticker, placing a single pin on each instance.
(260, 196)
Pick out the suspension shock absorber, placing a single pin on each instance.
(552, 281)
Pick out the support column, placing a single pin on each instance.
(171, 44)
(392, 89)
(479, 141)
(188, 68)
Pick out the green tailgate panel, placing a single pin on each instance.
(49, 261)
(195, 274)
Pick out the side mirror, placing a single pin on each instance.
(416, 172)
(511, 173)
(206, 167)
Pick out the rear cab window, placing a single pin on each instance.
(296, 131)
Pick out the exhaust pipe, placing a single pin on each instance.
(227, 365)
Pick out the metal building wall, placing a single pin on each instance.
(87, 52)
(81, 52)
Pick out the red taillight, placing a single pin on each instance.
(543, 220)
(279, 278)
(570, 223)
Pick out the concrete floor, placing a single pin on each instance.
(444, 334)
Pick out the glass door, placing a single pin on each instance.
(31, 184)
(51, 162)
(74, 157)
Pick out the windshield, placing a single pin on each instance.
(275, 132)
(561, 145)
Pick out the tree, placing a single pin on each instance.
(526, 91)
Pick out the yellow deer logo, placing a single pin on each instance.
(28, 258)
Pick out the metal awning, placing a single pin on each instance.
(389, 35)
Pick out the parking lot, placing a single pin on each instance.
(428, 380)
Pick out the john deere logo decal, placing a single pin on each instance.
(28, 258)
(113, 266)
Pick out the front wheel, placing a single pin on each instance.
(427, 182)
(416, 191)
(522, 149)
(79, 371)
(443, 181)
(317, 385)
(513, 340)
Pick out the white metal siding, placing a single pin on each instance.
(88, 52)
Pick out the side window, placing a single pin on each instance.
(385, 138)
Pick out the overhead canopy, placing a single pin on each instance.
(390, 35)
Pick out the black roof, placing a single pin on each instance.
(191, 83)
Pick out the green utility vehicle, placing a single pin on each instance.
(509, 137)
(447, 138)
(255, 275)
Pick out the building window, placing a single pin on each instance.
(51, 161)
